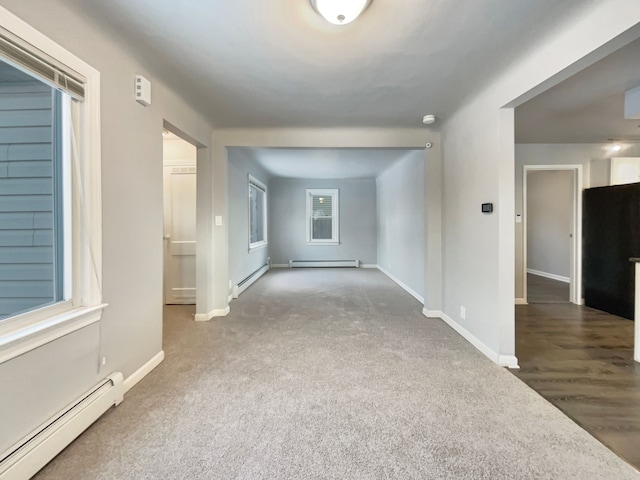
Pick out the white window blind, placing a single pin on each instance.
(322, 216)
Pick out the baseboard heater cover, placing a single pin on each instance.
(250, 279)
(33, 452)
(324, 263)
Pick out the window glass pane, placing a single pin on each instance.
(322, 228)
(322, 205)
(256, 214)
(31, 204)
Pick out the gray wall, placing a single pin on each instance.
(400, 213)
(242, 262)
(130, 333)
(549, 221)
(287, 221)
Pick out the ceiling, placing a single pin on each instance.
(586, 108)
(335, 163)
(277, 63)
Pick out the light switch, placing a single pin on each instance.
(218, 220)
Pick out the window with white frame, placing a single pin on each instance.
(322, 217)
(257, 214)
(50, 213)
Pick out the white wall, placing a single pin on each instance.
(550, 221)
(242, 262)
(288, 223)
(400, 217)
(130, 332)
(478, 166)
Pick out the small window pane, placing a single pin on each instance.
(256, 214)
(31, 197)
(322, 228)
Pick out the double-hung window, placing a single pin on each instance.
(257, 214)
(50, 245)
(322, 217)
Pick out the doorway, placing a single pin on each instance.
(552, 202)
(179, 213)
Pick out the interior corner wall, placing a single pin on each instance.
(130, 331)
(478, 167)
(242, 262)
(400, 217)
(288, 224)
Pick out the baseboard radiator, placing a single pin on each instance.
(33, 452)
(324, 263)
(250, 279)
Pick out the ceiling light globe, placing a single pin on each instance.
(340, 12)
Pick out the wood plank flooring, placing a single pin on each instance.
(581, 360)
(545, 290)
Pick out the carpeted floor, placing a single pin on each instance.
(330, 374)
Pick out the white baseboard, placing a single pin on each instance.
(39, 447)
(521, 301)
(230, 297)
(552, 276)
(280, 265)
(143, 371)
(368, 265)
(404, 286)
(509, 361)
(205, 317)
(238, 289)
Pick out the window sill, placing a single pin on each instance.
(322, 244)
(258, 246)
(29, 337)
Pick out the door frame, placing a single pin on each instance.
(575, 270)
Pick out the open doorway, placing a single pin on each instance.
(179, 207)
(552, 233)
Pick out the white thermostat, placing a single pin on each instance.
(143, 90)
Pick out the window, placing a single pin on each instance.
(322, 217)
(257, 214)
(50, 213)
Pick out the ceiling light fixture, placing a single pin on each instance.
(340, 12)
(428, 119)
(616, 148)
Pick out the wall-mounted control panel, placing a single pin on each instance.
(487, 207)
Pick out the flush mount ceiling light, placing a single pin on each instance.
(340, 12)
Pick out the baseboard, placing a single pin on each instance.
(253, 278)
(39, 447)
(521, 301)
(369, 265)
(552, 276)
(502, 360)
(230, 297)
(143, 371)
(205, 317)
(280, 265)
(402, 285)
(323, 263)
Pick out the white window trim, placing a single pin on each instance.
(258, 184)
(335, 224)
(33, 329)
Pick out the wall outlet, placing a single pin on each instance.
(103, 361)
(463, 312)
(230, 284)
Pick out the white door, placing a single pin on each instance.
(180, 234)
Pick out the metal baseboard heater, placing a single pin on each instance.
(324, 263)
(33, 452)
(250, 279)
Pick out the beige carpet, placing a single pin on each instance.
(330, 374)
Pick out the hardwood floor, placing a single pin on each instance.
(581, 360)
(545, 290)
